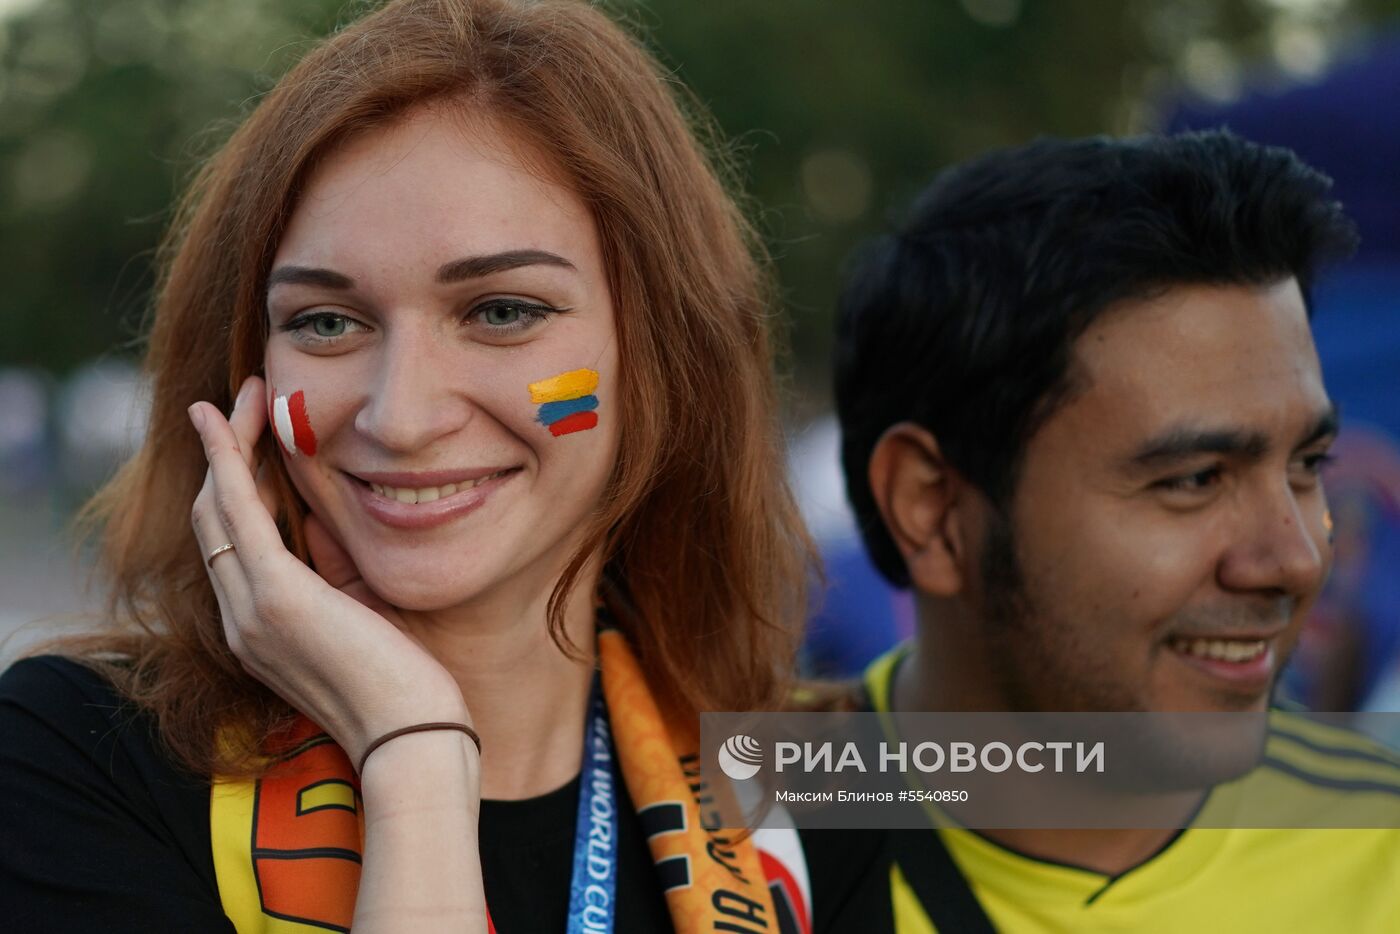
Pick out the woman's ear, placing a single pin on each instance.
(922, 500)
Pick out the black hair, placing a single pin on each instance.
(963, 319)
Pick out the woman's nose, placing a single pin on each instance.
(414, 397)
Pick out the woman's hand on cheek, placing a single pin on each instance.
(335, 566)
(324, 642)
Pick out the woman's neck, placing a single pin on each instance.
(528, 699)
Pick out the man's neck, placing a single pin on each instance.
(951, 669)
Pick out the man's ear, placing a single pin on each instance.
(923, 503)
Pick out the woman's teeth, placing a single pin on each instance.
(1223, 650)
(430, 493)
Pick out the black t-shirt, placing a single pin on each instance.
(99, 831)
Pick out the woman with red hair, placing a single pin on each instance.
(496, 509)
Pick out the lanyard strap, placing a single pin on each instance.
(923, 858)
(593, 887)
(940, 886)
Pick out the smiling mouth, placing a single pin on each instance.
(431, 494)
(1238, 651)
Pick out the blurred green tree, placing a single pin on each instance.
(837, 113)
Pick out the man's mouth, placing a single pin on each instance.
(1238, 651)
(1243, 665)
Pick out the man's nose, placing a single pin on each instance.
(1277, 549)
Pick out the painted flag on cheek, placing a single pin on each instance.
(291, 424)
(567, 403)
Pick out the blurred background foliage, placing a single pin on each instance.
(837, 112)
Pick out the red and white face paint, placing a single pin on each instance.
(291, 424)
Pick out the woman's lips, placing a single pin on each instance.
(416, 504)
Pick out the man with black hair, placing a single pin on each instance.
(1083, 419)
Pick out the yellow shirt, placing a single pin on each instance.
(1235, 880)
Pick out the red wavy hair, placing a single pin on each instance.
(700, 537)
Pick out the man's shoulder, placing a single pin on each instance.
(847, 696)
(1327, 755)
(1321, 811)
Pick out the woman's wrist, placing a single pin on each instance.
(430, 727)
(421, 797)
(427, 768)
(365, 728)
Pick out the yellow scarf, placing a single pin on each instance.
(287, 846)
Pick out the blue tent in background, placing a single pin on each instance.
(1348, 125)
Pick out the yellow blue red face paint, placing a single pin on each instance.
(291, 424)
(567, 403)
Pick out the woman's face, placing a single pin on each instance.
(428, 291)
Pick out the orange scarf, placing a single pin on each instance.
(287, 846)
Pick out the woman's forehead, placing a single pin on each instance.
(434, 181)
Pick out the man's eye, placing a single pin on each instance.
(1306, 471)
(1192, 482)
(1314, 463)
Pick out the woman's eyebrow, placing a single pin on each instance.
(307, 275)
(473, 267)
(470, 267)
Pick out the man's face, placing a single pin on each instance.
(1167, 535)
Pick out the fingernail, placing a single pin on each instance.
(197, 416)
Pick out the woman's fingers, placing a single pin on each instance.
(225, 573)
(233, 508)
(248, 418)
(245, 422)
(236, 505)
(267, 491)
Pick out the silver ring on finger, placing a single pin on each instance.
(227, 546)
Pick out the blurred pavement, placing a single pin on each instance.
(41, 584)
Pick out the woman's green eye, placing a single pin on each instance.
(501, 315)
(505, 318)
(328, 325)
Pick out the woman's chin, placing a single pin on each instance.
(422, 593)
(423, 582)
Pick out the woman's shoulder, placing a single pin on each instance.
(57, 709)
(60, 689)
(65, 729)
(90, 803)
